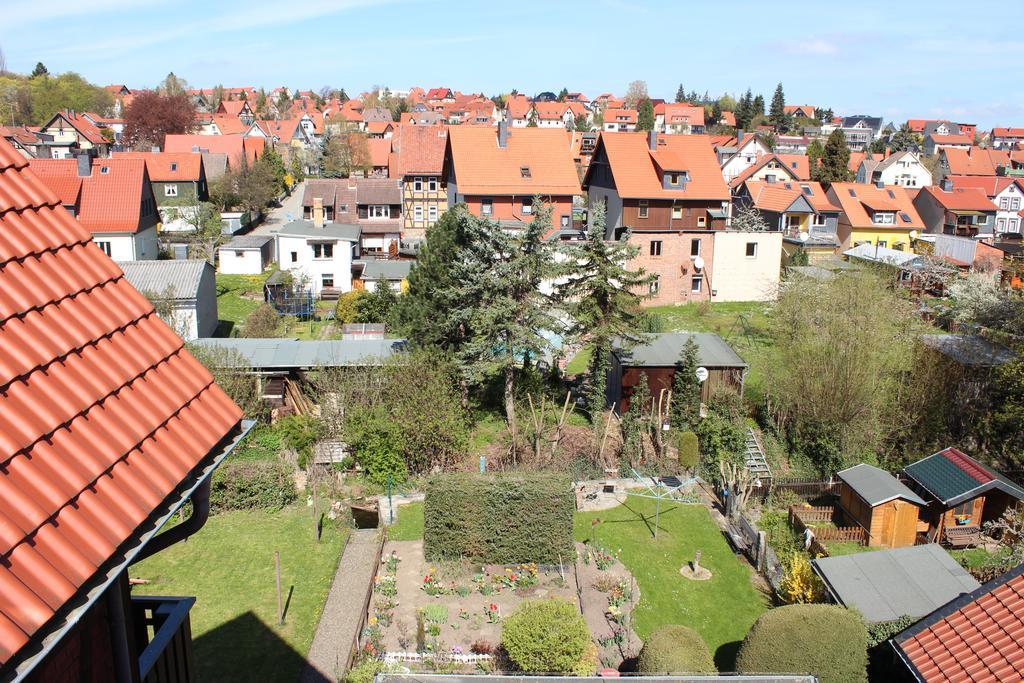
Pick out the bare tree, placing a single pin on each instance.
(635, 93)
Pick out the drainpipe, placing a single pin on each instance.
(195, 522)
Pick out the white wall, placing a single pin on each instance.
(340, 266)
(738, 277)
(907, 172)
(239, 262)
(142, 246)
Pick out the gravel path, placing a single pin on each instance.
(344, 610)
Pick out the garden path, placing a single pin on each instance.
(340, 622)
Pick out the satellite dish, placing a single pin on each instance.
(804, 237)
(698, 262)
(913, 234)
(702, 374)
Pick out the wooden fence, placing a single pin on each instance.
(807, 488)
(803, 517)
(365, 614)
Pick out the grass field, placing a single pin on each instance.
(237, 297)
(721, 610)
(229, 567)
(409, 525)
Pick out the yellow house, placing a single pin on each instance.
(800, 210)
(882, 215)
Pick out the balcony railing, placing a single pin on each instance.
(164, 636)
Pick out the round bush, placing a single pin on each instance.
(252, 485)
(546, 636)
(675, 650)
(825, 640)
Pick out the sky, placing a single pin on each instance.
(897, 59)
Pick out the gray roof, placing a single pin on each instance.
(324, 188)
(378, 191)
(247, 242)
(969, 350)
(166, 279)
(215, 164)
(871, 252)
(877, 486)
(291, 354)
(338, 231)
(886, 584)
(663, 349)
(377, 269)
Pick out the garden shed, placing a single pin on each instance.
(657, 357)
(884, 585)
(962, 494)
(879, 502)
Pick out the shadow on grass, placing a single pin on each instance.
(725, 656)
(224, 328)
(246, 649)
(648, 520)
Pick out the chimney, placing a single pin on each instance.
(84, 165)
(947, 185)
(739, 136)
(503, 133)
(880, 184)
(318, 212)
(652, 140)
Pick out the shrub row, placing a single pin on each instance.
(252, 485)
(499, 518)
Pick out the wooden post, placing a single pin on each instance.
(277, 572)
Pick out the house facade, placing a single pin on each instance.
(900, 168)
(881, 216)
(666, 193)
(747, 265)
(946, 210)
(417, 161)
(619, 120)
(318, 253)
(1006, 192)
(178, 182)
(183, 291)
(737, 156)
(69, 132)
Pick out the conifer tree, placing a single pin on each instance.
(685, 410)
(835, 160)
(777, 113)
(680, 94)
(645, 115)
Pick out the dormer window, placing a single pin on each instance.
(883, 217)
(174, 166)
(524, 172)
(104, 170)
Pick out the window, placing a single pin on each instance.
(343, 208)
(327, 280)
(642, 213)
(751, 249)
(884, 218)
(378, 211)
(486, 207)
(807, 190)
(170, 190)
(565, 221)
(1013, 224)
(702, 221)
(674, 178)
(655, 285)
(819, 220)
(527, 207)
(1004, 203)
(1015, 204)
(174, 165)
(883, 243)
(417, 212)
(104, 170)
(695, 247)
(695, 284)
(964, 512)
(677, 212)
(417, 184)
(432, 184)
(432, 213)
(104, 246)
(323, 250)
(656, 248)
(1001, 224)
(524, 172)
(905, 217)
(295, 256)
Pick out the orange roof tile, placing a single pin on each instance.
(855, 198)
(168, 166)
(975, 161)
(483, 168)
(952, 139)
(780, 195)
(232, 145)
(635, 171)
(990, 185)
(103, 413)
(380, 150)
(978, 637)
(80, 123)
(60, 176)
(961, 199)
(109, 199)
(796, 167)
(620, 115)
(229, 124)
(419, 149)
(683, 114)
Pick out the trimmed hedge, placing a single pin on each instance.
(503, 518)
(547, 636)
(825, 640)
(252, 485)
(688, 445)
(675, 650)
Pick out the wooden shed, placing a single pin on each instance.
(880, 503)
(962, 495)
(657, 357)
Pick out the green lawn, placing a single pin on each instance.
(229, 567)
(237, 297)
(579, 362)
(409, 525)
(721, 609)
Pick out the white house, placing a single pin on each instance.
(184, 293)
(744, 154)
(1007, 193)
(746, 265)
(392, 272)
(319, 252)
(900, 168)
(245, 255)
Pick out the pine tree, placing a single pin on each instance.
(531, 119)
(634, 425)
(835, 160)
(680, 94)
(758, 108)
(903, 139)
(745, 110)
(40, 70)
(645, 116)
(815, 151)
(601, 299)
(777, 113)
(685, 410)
(563, 94)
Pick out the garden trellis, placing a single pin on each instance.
(662, 488)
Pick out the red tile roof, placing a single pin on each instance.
(229, 124)
(620, 115)
(978, 637)
(107, 201)
(232, 145)
(796, 167)
(990, 185)
(231, 107)
(419, 149)
(635, 168)
(975, 161)
(1008, 132)
(682, 114)
(961, 199)
(168, 166)
(86, 128)
(779, 196)
(483, 168)
(877, 199)
(952, 139)
(380, 150)
(103, 413)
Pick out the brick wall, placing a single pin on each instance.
(674, 285)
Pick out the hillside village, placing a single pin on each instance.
(310, 385)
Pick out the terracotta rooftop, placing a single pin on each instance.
(961, 199)
(990, 185)
(780, 196)
(168, 166)
(975, 161)
(978, 638)
(419, 149)
(855, 198)
(796, 167)
(109, 199)
(232, 145)
(103, 413)
(482, 167)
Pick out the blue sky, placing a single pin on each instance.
(898, 59)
